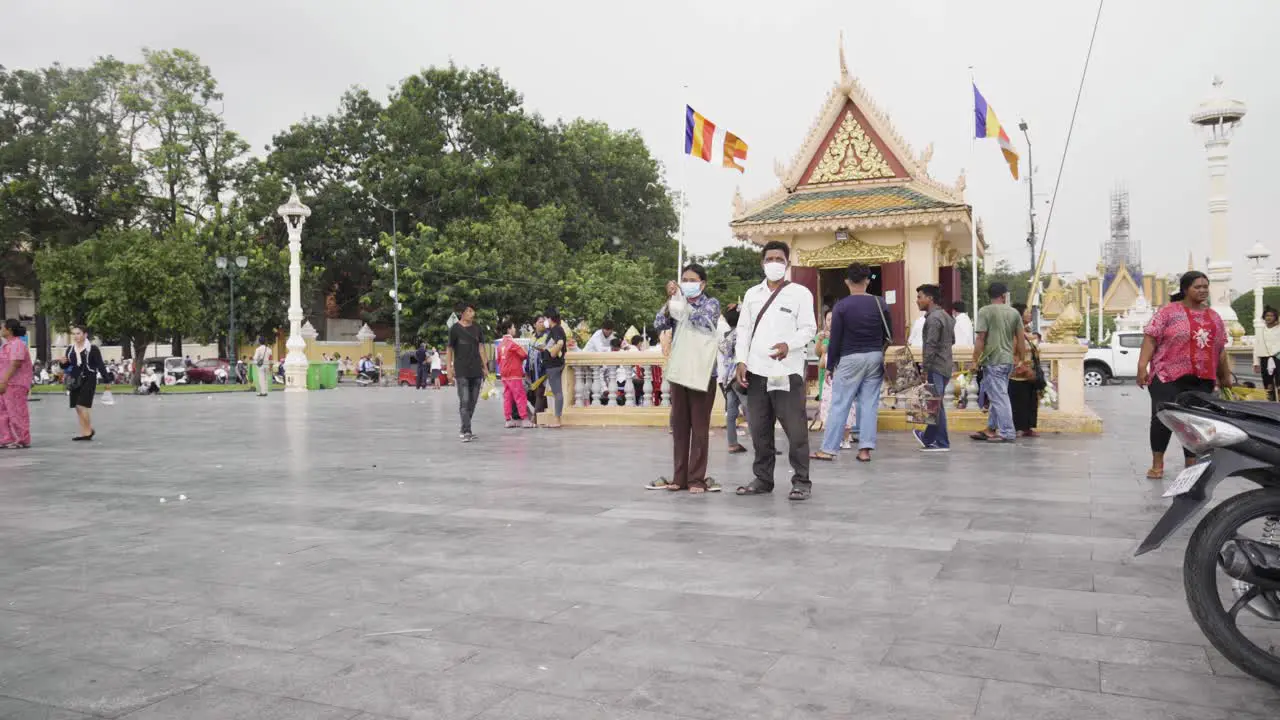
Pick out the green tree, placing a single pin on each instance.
(731, 271)
(128, 284)
(599, 285)
(1243, 306)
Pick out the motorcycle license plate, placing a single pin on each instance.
(1186, 479)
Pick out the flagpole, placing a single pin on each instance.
(973, 221)
(684, 188)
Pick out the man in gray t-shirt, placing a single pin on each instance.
(1000, 336)
(937, 337)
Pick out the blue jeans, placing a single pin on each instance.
(735, 403)
(856, 377)
(936, 435)
(995, 383)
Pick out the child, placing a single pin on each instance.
(511, 356)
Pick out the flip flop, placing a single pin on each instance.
(980, 437)
(798, 494)
(1154, 474)
(820, 455)
(753, 489)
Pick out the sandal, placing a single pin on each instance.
(822, 455)
(753, 489)
(799, 494)
(980, 437)
(697, 490)
(1155, 473)
(712, 485)
(866, 459)
(676, 488)
(736, 449)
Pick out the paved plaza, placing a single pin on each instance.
(341, 555)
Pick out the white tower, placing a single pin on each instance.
(295, 215)
(1218, 117)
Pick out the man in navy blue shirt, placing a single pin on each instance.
(855, 363)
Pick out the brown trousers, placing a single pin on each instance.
(690, 430)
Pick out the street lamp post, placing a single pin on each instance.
(231, 269)
(1034, 300)
(1258, 254)
(295, 215)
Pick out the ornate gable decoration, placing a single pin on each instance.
(850, 154)
(846, 252)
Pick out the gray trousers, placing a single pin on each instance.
(763, 410)
(735, 403)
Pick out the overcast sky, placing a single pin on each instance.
(762, 70)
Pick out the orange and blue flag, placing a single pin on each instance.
(734, 149)
(986, 125)
(698, 134)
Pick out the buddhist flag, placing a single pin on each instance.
(698, 134)
(986, 125)
(734, 150)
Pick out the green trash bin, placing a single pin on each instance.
(313, 376)
(328, 375)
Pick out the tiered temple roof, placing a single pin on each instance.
(853, 171)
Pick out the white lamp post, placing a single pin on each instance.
(1261, 275)
(295, 215)
(1218, 117)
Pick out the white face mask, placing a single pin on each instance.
(774, 271)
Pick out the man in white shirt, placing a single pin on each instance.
(964, 326)
(916, 338)
(771, 365)
(602, 340)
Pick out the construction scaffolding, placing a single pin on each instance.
(1120, 247)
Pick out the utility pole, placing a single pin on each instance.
(395, 277)
(1034, 301)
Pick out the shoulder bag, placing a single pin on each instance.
(693, 356)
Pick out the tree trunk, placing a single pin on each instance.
(140, 352)
(3, 314)
(126, 350)
(176, 346)
(44, 343)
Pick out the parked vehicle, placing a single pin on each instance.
(409, 377)
(1117, 361)
(1231, 568)
(173, 370)
(208, 372)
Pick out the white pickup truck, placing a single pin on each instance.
(1119, 361)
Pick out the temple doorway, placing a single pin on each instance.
(832, 287)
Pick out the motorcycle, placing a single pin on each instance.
(1231, 568)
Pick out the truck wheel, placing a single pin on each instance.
(1095, 376)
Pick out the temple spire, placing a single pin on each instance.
(844, 68)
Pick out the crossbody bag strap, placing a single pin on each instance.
(760, 315)
(1191, 340)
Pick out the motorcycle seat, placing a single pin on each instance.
(1265, 411)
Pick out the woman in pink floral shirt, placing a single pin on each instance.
(15, 384)
(1184, 350)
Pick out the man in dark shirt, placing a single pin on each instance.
(424, 368)
(939, 335)
(468, 356)
(855, 363)
(553, 362)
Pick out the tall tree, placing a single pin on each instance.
(129, 284)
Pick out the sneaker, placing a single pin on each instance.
(935, 448)
(713, 486)
(846, 444)
(528, 424)
(919, 436)
(466, 438)
(510, 424)
(659, 484)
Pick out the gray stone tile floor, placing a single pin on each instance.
(341, 555)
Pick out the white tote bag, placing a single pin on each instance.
(693, 351)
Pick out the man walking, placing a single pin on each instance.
(937, 338)
(262, 367)
(1000, 336)
(468, 357)
(420, 356)
(775, 325)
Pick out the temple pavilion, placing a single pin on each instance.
(857, 192)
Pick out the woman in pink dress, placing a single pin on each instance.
(15, 385)
(1184, 349)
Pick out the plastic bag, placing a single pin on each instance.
(108, 398)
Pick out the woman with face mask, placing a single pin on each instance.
(690, 408)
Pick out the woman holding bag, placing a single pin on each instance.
(695, 317)
(83, 365)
